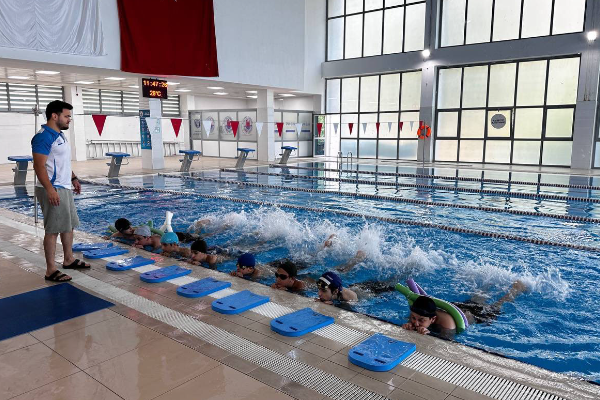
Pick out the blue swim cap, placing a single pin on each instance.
(332, 280)
(169, 238)
(247, 260)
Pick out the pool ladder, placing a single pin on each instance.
(340, 160)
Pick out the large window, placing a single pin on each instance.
(363, 28)
(375, 116)
(481, 21)
(116, 102)
(507, 113)
(20, 97)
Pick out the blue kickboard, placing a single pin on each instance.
(108, 252)
(238, 302)
(300, 322)
(91, 246)
(128, 263)
(164, 274)
(202, 287)
(380, 353)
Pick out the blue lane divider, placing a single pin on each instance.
(91, 246)
(164, 274)
(128, 263)
(108, 252)
(202, 287)
(239, 302)
(36, 309)
(380, 353)
(300, 322)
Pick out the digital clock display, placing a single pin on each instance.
(154, 88)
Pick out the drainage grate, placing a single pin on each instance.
(222, 293)
(272, 310)
(341, 334)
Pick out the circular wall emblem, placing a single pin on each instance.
(212, 123)
(227, 125)
(197, 123)
(247, 126)
(498, 121)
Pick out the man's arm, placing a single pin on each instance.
(39, 166)
(75, 182)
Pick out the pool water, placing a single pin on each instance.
(551, 325)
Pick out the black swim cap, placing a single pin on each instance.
(199, 245)
(122, 224)
(424, 306)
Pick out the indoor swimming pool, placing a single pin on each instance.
(549, 326)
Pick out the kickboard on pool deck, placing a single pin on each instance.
(238, 302)
(91, 246)
(164, 274)
(300, 322)
(128, 263)
(202, 287)
(108, 252)
(380, 353)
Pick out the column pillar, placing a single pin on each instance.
(76, 130)
(265, 113)
(153, 153)
(187, 103)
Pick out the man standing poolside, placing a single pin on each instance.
(52, 164)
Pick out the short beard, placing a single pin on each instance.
(63, 127)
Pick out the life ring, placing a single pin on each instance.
(427, 133)
(456, 313)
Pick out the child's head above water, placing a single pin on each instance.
(123, 226)
(285, 274)
(423, 312)
(169, 241)
(330, 286)
(246, 264)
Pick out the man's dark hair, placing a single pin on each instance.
(56, 107)
(199, 245)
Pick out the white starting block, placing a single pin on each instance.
(188, 157)
(287, 150)
(21, 168)
(115, 163)
(243, 154)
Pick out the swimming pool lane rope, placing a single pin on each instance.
(352, 214)
(506, 193)
(392, 198)
(442, 177)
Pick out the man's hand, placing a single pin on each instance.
(76, 186)
(53, 197)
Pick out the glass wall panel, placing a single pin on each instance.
(568, 16)
(335, 39)
(414, 33)
(472, 124)
(536, 18)
(353, 45)
(479, 21)
(507, 15)
(446, 150)
(350, 94)
(333, 96)
(354, 6)
(559, 122)
(557, 153)
(526, 152)
(347, 146)
(562, 81)
(410, 125)
(497, 151)
(387, 130)
(528, 123)
(388, 149)
(475, 87)
(447, 124)
(367, 148)
(453, 22)
(373, 4)
(369, 130)
(407, 149)
(390, 88)
(471, 151)
(597, 158)
(348, 131)
(393, 30)
(369, 93)
(335, 7)
(449, 88)
(392, 3)
(373, 27)
(502, 85)
(411, 91)
(532, 83)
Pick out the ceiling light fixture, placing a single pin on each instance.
(115, 78)
(287, 95)
(426, 53)
(47, 72)
(172, 83)
(221, 93)
(183, 90)
(18, 77)
(215, 88)
(251, 91)
(134, 86)
(592, 35)
(84, 82)
(252, 97)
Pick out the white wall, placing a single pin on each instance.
(220, 103)
(314, 46)
(16, 131)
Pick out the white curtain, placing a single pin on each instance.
(57, 26)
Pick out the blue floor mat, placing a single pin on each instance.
(33, 310)
(238, 302)
(202, 287)
(108, 252)
(380, 353)
(300, 322)
(91, 246)
(128, 263)
(164, 274)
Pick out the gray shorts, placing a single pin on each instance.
(58, 219)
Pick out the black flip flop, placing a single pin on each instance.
(77, 264)
(57, 276)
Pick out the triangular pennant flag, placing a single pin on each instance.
(151, 122)
(377, 124)
(400, 124)
(350, 126)
(99, 120)
(411, 125)
(207, 126)
(299, 127)
(335, 127)
(279, 127)
(364, 126)
(389, 126)
(234, 126)
(259, 126)
(176, 122)
(319, 127)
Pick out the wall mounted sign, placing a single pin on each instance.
(498, 121)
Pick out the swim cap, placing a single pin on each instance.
(122, 224)
(199, 245)
(143, 230)
(247, 260)
(332, 280)
(424, 306)
(169, 238)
